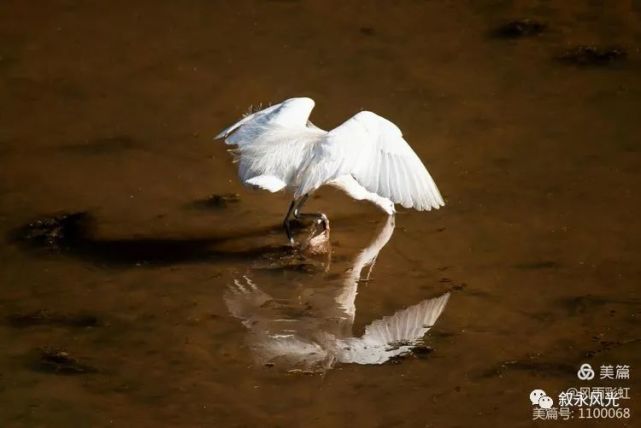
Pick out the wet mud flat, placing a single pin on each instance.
(141, 284)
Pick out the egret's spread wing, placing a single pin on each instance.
(291, 113)
(373, 151)
(407, 325)
(394, 335)
(261, 114)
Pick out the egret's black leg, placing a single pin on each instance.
(320, 217)
(299, 205)
(286, 225)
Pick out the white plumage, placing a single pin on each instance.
(279, 148)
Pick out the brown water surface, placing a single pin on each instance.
(110, 108)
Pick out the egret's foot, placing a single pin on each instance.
(319, 221)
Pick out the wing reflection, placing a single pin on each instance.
(297, 335)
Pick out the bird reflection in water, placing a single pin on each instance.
(318, 335)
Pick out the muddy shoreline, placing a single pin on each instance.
(526, 114)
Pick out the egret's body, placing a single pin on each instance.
(278, 148)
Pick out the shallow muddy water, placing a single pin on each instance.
(169, 309)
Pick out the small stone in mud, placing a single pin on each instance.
(53, 360)
(43, 317)
(519, 28)
(592, 55)
(55, 232)
(217, 201)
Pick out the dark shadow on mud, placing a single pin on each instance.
(57, 361)
(154, 251)
(101, 146)
(518, 28)
(71, 234)
(42, 317)
(215, 202)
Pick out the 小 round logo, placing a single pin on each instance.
(585, 372)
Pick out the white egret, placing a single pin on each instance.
(279, 148)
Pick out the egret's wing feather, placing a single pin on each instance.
(407, 325)
(291, 113)
(273, 143)
(247, 118)
(267, 182)
(373, 151)
(392, 336)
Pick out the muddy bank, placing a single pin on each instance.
(133, 226)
